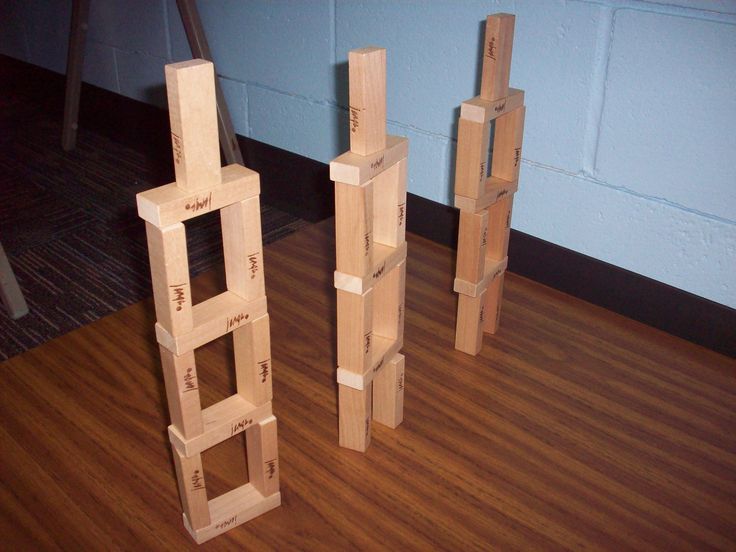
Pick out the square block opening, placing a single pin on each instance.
(225, 466)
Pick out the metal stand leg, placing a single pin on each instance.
(74, 62)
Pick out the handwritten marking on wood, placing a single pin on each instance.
(234, 321)
(265, 369)
(241, 425)
(190, 380)
(177, 147)
(197, 481)
(178, 295)
(253, 262)
(367, 346)
(227, 523)
(270, 468)
(199, 203)
(354, 119)
(402, 213)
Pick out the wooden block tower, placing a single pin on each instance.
(484, 191)
(370, 228)
(202, 186)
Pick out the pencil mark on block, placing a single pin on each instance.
(227, 523)
(265, 369)
(243, 424)
(199, 203)
(178, 295)
(234, 321)
(177, 147)
(354, 119)
(190, 380)
(253, 261)
(271, 468)
(197, 481)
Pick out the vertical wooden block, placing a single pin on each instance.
(471, 249)
(470, 317)
(499, 41)
(367, 83)
(182, 392)
(190, 87)
(354, 228)
(507, 142)
(389, 204)
(354, 407)
(473, 139)
(263, 456)
(167, 253)
(499, 226)
(354, 330)
(492, 307)
(190, 475)
(243, 248)
(387, 300)
(252, 345)
(388, 393)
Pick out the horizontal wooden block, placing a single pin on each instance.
(481, 111)
(471, 162)
(232, 509)
(169, 204)
(221, 421)
(388, 393)
(356, 170)
(384, 349)
(493, 269)
(495, 190)
(385, 259)
(213, 318)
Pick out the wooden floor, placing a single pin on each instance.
(574, 428)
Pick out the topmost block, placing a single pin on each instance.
(499, 41)
(367, 67)
(190, 87)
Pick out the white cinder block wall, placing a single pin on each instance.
(630, 145)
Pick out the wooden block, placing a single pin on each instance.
(192, 489)
(263, 456)
(481, 111)
(356, 170)
(354, 228)
(354, 330)
(388, 393)
(252, 344)
(243, 248)
(389, 205)
(470, 315)
(221, 421)
(495, 190)
(232, 509)
(472, 157)
(190, 86)
(384, 260)
(167, 253)
(492, 271)
(492, 307)
(168, 204)
(367, 88)
(499, 41)
(182, 392)
(387, 296)
(507, 142)
(499, 225)
(355, 417)
(384, 349)
(213, 318)
(471, 249)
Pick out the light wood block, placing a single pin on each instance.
(169, 204)
(387, 297)
(354, 228)
(507, 142)
(389, 204)
(232, 509)
(190, 476)
(182, 392)
(471, 249)
(496, 189)
(354, 407)
(354, 330)
(499, 226)
(469, 331)
(252, 345)
(492, 306)
(213, 318)
(384, 349)
(190, 87)
(385, 259)
(367, 83)
(499, 41)
(221, 421)
(493, 270)
(263, 456)
(243, 248)
(388, 393)
(472, 158)
(167, 253)
(356, 170)
(484, 111)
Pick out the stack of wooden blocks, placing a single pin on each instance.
(484, 197)
(370, 227)
(203, 186)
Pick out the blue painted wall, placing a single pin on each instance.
(630, 144)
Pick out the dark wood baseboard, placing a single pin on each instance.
(310, 197)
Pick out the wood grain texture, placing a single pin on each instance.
(573, 428)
